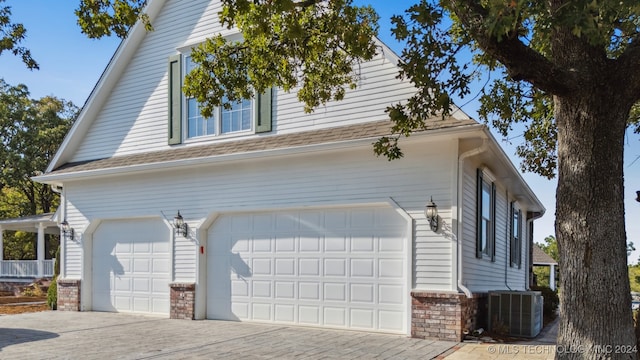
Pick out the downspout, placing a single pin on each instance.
(479, 150)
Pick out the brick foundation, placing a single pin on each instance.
(445, 316)
(68, 295)
(182, 301)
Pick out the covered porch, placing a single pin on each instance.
(20, 269)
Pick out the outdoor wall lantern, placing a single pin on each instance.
(431, 213)
(67, 230)
(179, 225)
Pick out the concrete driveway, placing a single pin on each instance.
(92, 335)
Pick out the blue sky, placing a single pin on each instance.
(71, 64)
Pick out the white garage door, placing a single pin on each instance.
(131, 266)
(334, 268)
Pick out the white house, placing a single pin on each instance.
(291, 218)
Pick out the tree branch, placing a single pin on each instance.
(522, 62)
(628, 68)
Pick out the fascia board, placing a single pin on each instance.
(506, 162)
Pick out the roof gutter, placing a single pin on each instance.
(473, 152)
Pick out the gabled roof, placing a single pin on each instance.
(542, 258)
(371, 130)
(117, 65)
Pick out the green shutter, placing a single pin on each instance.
(175, 100)
(519, 239)
(263, 111)
(492, 239)
(512, 244)
(479, 214)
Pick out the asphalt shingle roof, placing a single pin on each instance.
(541, 257)
(269, 142)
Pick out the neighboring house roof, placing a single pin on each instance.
(282, 141)
(542, 258)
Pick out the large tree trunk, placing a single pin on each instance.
(595, 301)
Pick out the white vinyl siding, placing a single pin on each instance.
(481, 275)
(353, 176)
(134, 117)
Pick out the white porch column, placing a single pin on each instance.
(552, 276)
(40, 253)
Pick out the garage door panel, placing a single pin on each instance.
(335, 316)
(131, 266)
(309, 267)
(392, 320)
(309, 243)
(362, 293)
(362, 244)
(363, 268)
(335, 244)
(362, 318)
(391, 268)
(285, 243)
(312, 267)
(285, 313)
(390, 294)
(335, 267)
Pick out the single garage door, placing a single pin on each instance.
(131, 266)
(334, 268)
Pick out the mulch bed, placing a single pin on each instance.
(10, 304)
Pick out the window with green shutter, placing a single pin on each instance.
(247, 116)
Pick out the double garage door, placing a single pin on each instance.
(344, 268)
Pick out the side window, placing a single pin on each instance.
(516, 236)
(486, 214)
(247, 116)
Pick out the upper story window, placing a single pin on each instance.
(224, 121)
(248, 116)
(486, 217)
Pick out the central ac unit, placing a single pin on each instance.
(519, 311)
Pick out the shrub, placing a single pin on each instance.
(52, 294)
(551, 300)
(33, 290)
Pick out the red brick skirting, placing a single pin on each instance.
(68, 295)
(182, 301)
(445, 316)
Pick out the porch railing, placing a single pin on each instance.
(25, 268)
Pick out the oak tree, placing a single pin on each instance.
(32, 131)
